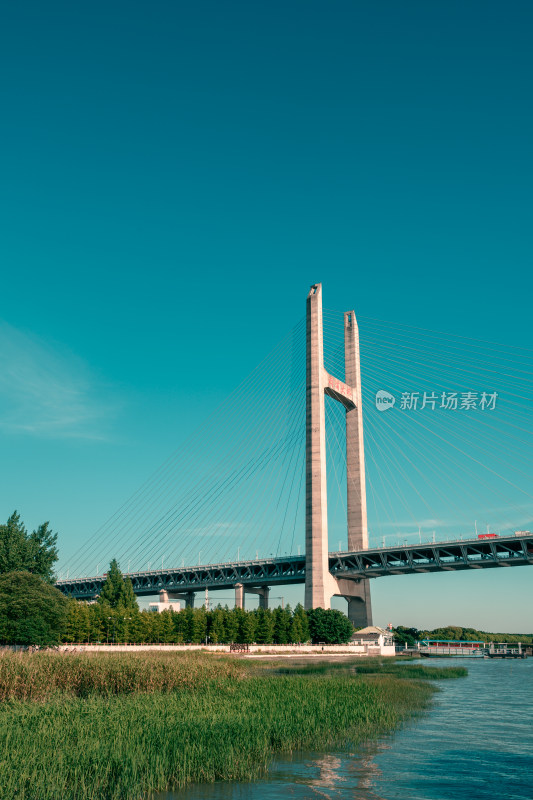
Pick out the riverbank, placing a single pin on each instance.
(121, 727)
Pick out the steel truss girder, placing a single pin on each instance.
(378, 562)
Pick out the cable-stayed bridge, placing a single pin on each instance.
(435, 447)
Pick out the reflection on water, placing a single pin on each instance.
(302, 775)
(333, 775)
(475, 742)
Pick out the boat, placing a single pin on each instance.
(447, 648)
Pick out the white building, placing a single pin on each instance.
(376, 641)
(164, 606)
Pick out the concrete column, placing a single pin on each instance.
(239, 595)
(163, 596)
(359, 608)
(262, 591)
(317, 593)
(185, 597)
(263, 598)
(357, 593)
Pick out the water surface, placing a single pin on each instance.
(475, 742)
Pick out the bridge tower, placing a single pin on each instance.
(320, 585)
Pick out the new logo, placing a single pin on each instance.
(384, 400)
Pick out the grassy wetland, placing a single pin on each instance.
(121, 726)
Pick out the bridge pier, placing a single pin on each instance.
(186, 597)
(241, 591)
(357, 593)
(239, 595)
(263, 592)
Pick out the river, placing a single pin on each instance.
(475, 743)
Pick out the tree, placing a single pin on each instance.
(99, 614)
(264, 626)
(116, 591)
(123, 623)
(137, 629)
(129, 599)
(181, 627)
(282, 625)
(199, 625)
(187, 621)
(78, 622)
(299, 631)
(329, 626)
(43, 551)
(450, 633)
(153, 627)
(246, 629)
(231, 624)
(20, 551)
(408, 636)
(216, 630)
(31, 610)
(166, 626)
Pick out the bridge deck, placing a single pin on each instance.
(505, 551)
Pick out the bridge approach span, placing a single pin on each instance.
(505, 551)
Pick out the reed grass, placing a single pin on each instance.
(188, 718)
(319, 668)
(412, 671)
(375, 667)
(43, 674)
(425, 673)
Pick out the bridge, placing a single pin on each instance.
(323, 573)
(259, 575)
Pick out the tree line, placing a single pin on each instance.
(33, 611)
(454, 633)
(99, 622)
(115, 617)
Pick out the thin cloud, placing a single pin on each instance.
(47, 392)
(513, 520)
(424, 524)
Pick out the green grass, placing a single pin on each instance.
(374, 667)
(189, 718)
(412, 671)
(317, 668)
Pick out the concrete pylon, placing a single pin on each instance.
(359, 603)
(320, 585)
(355, 452)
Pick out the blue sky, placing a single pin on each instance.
(175, 176)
